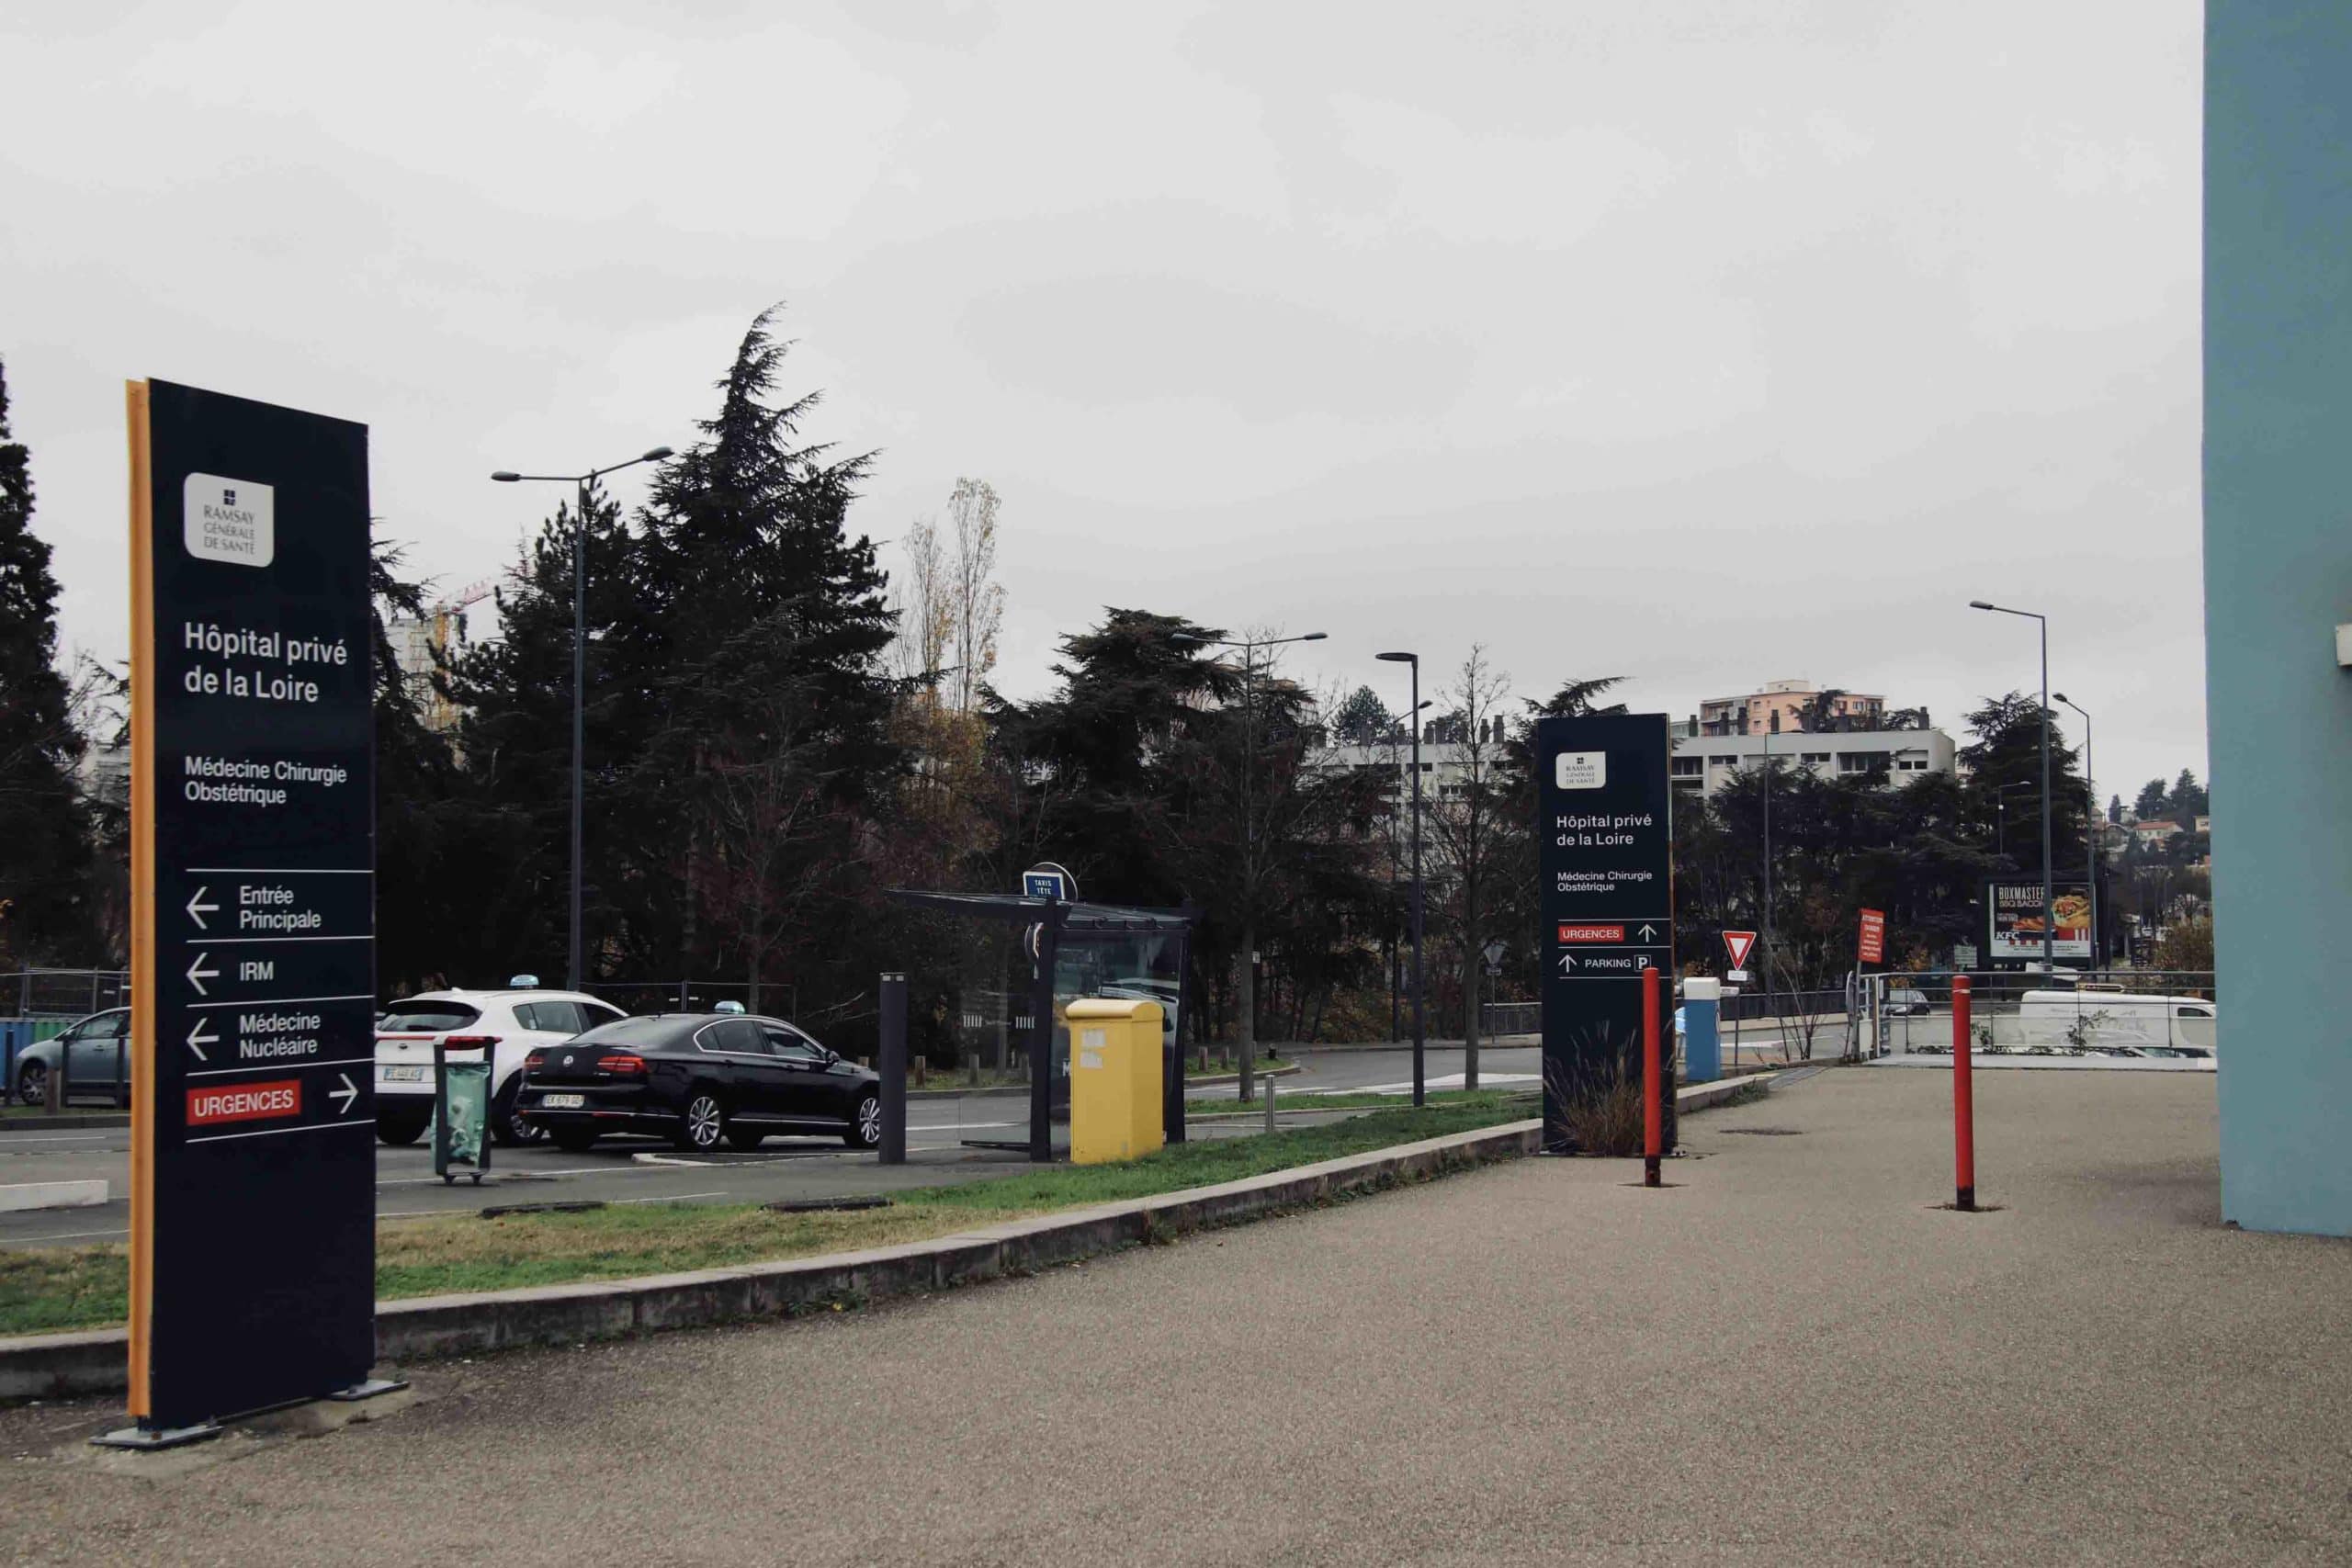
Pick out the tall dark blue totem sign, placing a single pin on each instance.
(1605, 836)
(253, 1205)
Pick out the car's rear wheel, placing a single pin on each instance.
(398, 1127)
(506, 1125)
(574, 1140)
(32, 1084)
(865, 1127)
(705, 1122)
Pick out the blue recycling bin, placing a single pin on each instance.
(1702, 1046)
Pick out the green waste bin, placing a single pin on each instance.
(460, 1115)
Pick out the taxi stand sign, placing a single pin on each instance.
(252, 1205)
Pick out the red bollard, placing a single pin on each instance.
(1653, 1114)
(1964, 1100)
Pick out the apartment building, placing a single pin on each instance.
(1701, 763)
(1785, 707)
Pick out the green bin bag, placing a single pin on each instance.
(461, 1121)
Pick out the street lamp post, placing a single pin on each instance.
(2049, 936)
(1395, 1006)
(2091, 829)
(1421, 1017)
(1249, 870)
(572, 968)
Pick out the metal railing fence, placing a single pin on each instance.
(2160, 1014)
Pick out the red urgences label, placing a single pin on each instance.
(245, 1102)
(1592, 933)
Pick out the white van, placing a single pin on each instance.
(2104, 1020)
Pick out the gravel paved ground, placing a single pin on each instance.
(1790, 1356)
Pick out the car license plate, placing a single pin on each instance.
(563, 1102)
(403, 1074)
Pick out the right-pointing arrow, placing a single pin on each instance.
(198, 974)
(197, 1040)
(348, 1094)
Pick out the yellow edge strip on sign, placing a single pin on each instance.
(143, 895)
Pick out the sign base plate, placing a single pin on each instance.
(147, 1440)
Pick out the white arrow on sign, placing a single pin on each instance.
(1649, 932)
(198, 909)
(348, 1094)
(1568, 963)
(196, 975)
(197, 1040)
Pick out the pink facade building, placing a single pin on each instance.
(1782, 708)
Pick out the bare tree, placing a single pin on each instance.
(977, 599)
(925, 605)
(1265, 819)
(1471, 829)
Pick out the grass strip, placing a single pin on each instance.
(47, 1289)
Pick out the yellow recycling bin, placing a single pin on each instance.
(1115, 1078)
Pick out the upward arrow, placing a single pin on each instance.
(1648, 931)
(1568, 963)
(198, 909)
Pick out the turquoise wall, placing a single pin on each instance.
(2278, 580)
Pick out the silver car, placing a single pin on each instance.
(95, 1053)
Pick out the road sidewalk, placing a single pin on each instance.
(1792, 1354)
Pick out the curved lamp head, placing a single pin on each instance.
(1314, 637)
(657, 455)
(1399, 658)
(1980, 605)
(505, 477)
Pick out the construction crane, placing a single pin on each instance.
(423, 646)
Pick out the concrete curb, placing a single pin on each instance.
(21, 1197)
(51, 1365)
(95, 1119)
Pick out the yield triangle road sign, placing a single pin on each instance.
(1736, 944)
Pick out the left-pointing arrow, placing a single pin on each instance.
(197, 908)
(348, 1094)
(197, 1040)
(198, 974)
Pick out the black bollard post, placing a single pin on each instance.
(894, 1069)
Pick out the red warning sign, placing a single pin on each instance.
(1736, 944)
(1872, 947)
(1592, 933)
(245, 1102)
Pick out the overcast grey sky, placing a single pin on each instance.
(1703, 341)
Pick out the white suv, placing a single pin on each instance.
(511, 1023)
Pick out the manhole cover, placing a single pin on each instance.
(1763, 1132)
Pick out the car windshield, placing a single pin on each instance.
(425, 1016)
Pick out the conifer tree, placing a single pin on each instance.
(44, 828)
(771, 737)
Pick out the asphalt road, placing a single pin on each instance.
(643, 1170)
(1792, 1354)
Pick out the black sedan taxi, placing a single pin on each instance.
(697, 1079)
